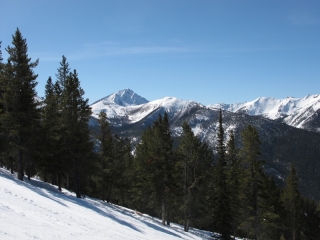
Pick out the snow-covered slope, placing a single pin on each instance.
(292, 111)
(37, 210)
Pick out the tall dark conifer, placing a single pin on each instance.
(292, 202)
(250, 154)
(52, 162)
(75, 115)
(195, 159)
(63, 72)
(21, 115)
(221, 211)
(154, 164)
(103, 178)
(234, 181)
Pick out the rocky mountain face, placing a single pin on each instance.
(281, 143)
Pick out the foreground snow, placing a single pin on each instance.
(37, 210)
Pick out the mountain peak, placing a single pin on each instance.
(123, 98)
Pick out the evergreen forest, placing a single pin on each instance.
(223, 189)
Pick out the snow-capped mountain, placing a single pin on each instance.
(116, 104)
(296, 112)
(281, 144)
(128, 107)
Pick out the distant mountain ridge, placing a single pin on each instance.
(296, 112)
(282, 143)
(129, 107)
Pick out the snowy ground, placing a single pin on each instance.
(37, 210)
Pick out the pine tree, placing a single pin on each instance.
(195, 158)
(221, 211)
(103, 178)
(121, 176)
(250, 154)
(52, 161)
(63, 72)
(154, 165)
(234, 181)
(75, 115)
(292, 201)
(270, 209)
(21, 115)
(2, 130)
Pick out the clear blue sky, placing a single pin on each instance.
(209, 51)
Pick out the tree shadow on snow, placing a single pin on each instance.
(35, 186)
(51, 192)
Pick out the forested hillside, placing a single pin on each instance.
(218, 184)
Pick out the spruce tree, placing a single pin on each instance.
(250, 154)
(103, 178)
(75, 115)
(195, 158)
(270, 209)
(52, 161)
(63, 72)
(234, 181)
(221, 211)
(2, 130)
(154, 165)
(20, 115)
(292, 202)
(121, 177)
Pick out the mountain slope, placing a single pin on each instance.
(297, 112)
(37, 210)
(121, 111)
(115, 105)
(281, 145)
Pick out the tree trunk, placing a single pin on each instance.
(11, 164)
(163, 208)
(186, 224)
(19, 163)
(59, 182)
(68, 185)
(77, 184)
(168, 217)
(109, 194)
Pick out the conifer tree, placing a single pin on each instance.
(250, 154)
(52, 162)
(292, 201)
(2, 142)
(195, 159)
(234, 181)
(21, 115)
(2, 130)
(154, 165)
(63, 72)
(221, 210)
(75, 115)
(270, 209)
(104, 176)
(6, 148)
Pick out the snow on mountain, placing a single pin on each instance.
(123, 98)
(292, 111)
(115, 104)
(37, 210)
(128, 107)
(120, 105)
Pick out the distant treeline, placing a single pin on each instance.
(223, 190)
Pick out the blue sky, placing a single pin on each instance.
(209, 51)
